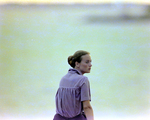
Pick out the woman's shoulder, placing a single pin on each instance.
(84, 77)
(84, 80)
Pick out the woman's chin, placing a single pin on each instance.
(88, 71)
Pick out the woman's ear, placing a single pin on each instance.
(77, 64)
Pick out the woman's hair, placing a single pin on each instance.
(76, 57)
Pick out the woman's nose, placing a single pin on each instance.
(90, 65)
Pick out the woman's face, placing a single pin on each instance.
(85, 65)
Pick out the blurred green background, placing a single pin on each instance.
(36, 40)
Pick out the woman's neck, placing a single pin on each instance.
(79, 70)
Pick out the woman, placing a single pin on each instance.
(73, 96)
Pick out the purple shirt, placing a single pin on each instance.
(73, 89)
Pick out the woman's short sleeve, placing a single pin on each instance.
(85, 90)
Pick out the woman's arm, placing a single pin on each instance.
(88, 110)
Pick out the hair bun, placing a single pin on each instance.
(70, 59)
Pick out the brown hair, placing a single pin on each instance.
(76, 57)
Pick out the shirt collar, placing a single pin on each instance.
(73, 70)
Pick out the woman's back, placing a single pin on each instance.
(73, 89)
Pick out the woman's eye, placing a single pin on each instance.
(88, 61)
